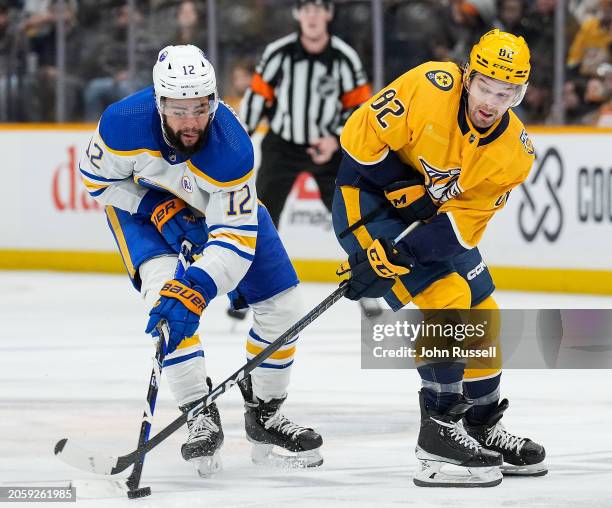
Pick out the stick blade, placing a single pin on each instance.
(72, 454)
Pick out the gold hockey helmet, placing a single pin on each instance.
(501, 55)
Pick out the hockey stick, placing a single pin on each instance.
(133, 480)
(109, 465)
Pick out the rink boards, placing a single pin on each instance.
(554, 234)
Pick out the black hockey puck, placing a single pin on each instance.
(142, 492)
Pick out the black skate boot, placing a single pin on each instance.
(444, 442)
(522, 456)
(266, 428)
(205, 439)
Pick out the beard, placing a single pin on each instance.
(174, 139)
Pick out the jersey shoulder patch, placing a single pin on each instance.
(126, 125)
(441, 79)
(526, 141)
(227, 158)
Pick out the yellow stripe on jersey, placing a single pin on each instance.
(94, 186)
(123, 248)
(189, 341)
(279, 355)
(125, 153)
(353, 215)
(247, 241)
(198, 172)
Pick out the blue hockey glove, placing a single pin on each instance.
(181, 305)
(374, 270)
(176, 223)
(411, 201)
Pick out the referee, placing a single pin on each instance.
(307, 84)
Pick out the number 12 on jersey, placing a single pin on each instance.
(239, 201)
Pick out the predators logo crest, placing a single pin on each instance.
(441, 184)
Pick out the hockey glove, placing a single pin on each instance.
(411, 201)
(374, 270)
(176, 223)
(181, 305)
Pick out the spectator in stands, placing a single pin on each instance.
(590, 47)
(189, 26)
(241, 75)
(464, 23)
(511, 17)
(412, 36)
(604, 118)
(107, 63)
(40, 27)
(535, 108)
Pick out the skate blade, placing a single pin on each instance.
(208, 466)
(539, 469)
(266, 455)
(435, 473)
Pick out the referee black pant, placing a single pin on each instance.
(281, 163)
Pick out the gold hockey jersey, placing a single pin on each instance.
(422, 117)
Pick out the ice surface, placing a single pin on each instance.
(75, 362)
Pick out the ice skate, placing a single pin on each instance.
(448, 456)
(277, 441)
(522, 456)
(205, 439)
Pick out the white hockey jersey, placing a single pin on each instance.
(127, 157)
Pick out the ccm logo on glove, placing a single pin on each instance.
(380, 263)
(190, 298)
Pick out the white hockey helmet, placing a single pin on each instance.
(184, 72)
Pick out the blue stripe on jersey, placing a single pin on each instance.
(272, 366)
(180, 359)
(229, 246)
(259, 339)
(97, 192)
(98, 178)
(241, 228)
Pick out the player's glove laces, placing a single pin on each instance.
(181, 305)
(411, 201)
(176, 223)
(375, 269)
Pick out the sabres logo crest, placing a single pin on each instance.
(441, 79)
(441, 184)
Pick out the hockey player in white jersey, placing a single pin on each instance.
(172, 162)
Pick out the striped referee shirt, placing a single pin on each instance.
(305, 96)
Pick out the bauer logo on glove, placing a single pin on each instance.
(181, 305)
(165, 211)
(176, 222)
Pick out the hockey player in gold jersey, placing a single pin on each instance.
(441, 145)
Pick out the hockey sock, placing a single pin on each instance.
(442, 384)
(485, 394)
